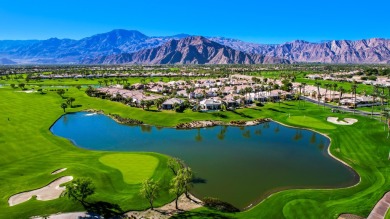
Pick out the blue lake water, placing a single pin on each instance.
(240, 165)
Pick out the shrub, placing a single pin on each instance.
(372, 78)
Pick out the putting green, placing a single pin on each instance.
(309, 122)
(135, 168)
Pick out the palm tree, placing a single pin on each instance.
(374, 96)
(334, 90)
(318, 84)
(303, 87)
(341, 91)
(354, 91)
(327, 86)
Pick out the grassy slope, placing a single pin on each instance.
(135, 168)
(30, 153)
(363, 145)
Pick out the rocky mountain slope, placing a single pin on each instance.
(374, 50)
(72, 51)
(4, 61)
(190, 50)
(118, 42)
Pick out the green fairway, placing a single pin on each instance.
(135, 168)
(387, 214)
(30, 153)
(310, 122)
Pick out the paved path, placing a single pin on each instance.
(380, 209)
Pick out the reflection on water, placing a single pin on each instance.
(239, 165)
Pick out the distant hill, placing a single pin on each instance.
(124, 42)
(4, 61)
(190, 50)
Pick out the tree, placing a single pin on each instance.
(70, 101)
(21, 85)
(148, 104)
(177, 187)
(374, 95)
(61, 92)
(354, 91)
(13, 86)
(78, 87)
(318, 84)
(79, 189)
(173, 164)
(341, 90)
(187, 175)
(142, 103)
(149, 190)
(334, 90)
(64, 106)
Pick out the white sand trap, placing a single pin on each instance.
(347, 121)
(72, 215)
(58, 171)
(49, 192)
(27, 91)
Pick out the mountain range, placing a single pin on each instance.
(133, 47)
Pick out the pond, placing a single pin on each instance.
(240, 165)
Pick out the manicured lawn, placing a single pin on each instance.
(346, 85)
(92, 81)
(387, 214)
(135, 168)
(309, 122)
(30, 153)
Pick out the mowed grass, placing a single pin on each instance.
(387, 216)
(309, 122)
(30, 152)
(135, 168)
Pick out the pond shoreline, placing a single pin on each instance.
(189, 125)
(210, 123)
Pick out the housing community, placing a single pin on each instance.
(235, 91)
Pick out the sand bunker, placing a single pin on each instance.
(27, 91)
(58, 171)
(346, 121)
(49, 192)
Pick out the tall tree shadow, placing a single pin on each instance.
(105, 209)
(203, 215)
(242, 114)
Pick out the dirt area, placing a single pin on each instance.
(49, 192)
(346, 121)
(211, 123)
(167, 210)
(163, 212)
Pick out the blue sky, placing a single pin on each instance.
(249, 20)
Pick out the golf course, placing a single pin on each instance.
(30, 153)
